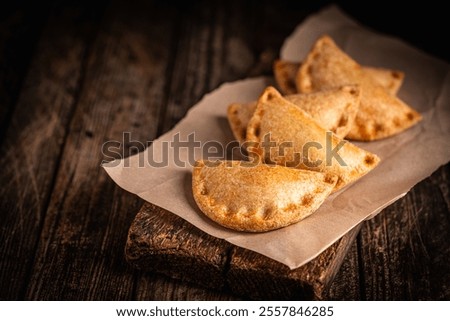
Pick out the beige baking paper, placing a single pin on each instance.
(406, 159)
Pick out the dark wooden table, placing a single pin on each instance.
(75, 75)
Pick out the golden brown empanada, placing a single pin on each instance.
(284, 134)
(333, 109)
(285, 73)
(257, 197)
(390, 80)
(380, 114)
(238, 117)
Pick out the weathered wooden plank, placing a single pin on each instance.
(255, 276)
(80, 254)
(156, 287)
(20, 26)
(159, 241)
(405, 249)
(345, 285)
(33, 142)
(190, 71)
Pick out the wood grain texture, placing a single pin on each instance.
(80, 254)
(32, 146)
(159, 241)
(255, 276)
(187, 276)
(157, 287)
(405, 249)
(346, 284)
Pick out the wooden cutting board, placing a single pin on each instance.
(160, 241)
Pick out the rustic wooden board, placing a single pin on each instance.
(255, 276)
(159, 241)
(347, 284)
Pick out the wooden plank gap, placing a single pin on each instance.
(361, 273)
